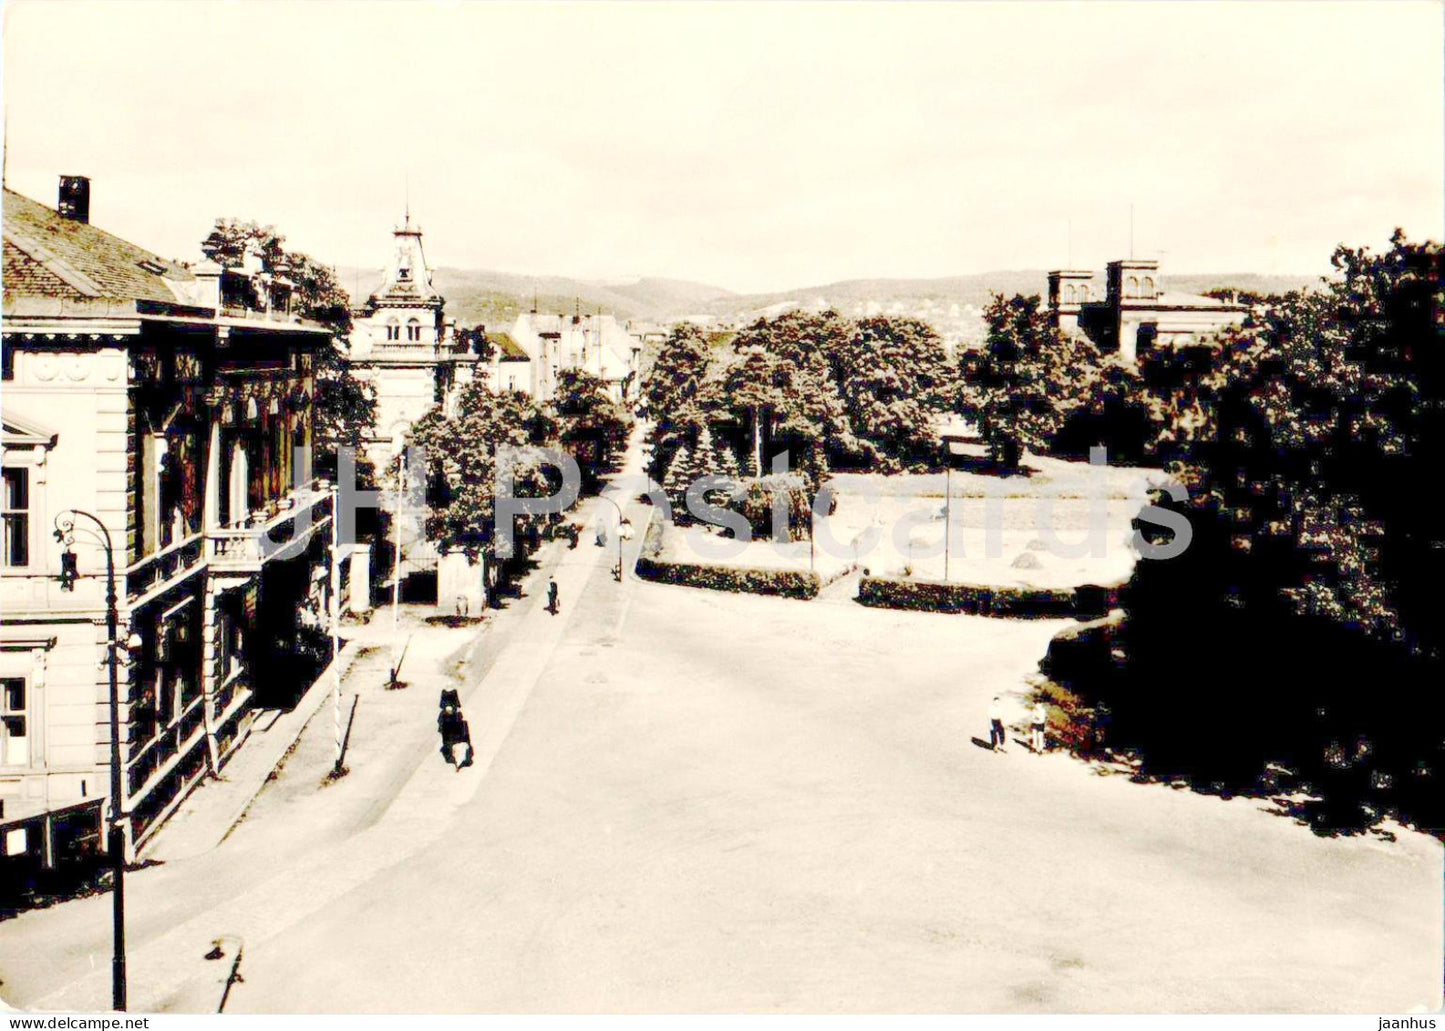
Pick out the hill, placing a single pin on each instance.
(491, 298)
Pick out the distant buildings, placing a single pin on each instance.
(174, 404)
(1132, 313)
(547, 344)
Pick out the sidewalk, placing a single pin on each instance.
(216, 807)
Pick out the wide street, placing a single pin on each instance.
(695, 801)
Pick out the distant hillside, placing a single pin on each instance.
(976, 290)
(486, 297)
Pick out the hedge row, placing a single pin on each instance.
(787, 583)
(1086, 602)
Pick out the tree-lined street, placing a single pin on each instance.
(686, 800)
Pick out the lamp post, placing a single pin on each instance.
(624, 531)
(947, 510)
(396, 564)
(65, 534)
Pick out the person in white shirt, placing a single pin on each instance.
(1038, 719)
(995, 724)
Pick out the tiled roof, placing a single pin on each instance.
(49, 256)
(508, 350)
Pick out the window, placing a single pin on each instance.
(403, 275)
(393, 330)
(1148, 286)
(7, 362)
(14, 734)
(1132, 288)
(413, 330)
(17, 517)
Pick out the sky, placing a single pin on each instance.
(750, 146)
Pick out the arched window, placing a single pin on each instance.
(1070, 294)
(393, 329)
(413, 330)
(1083, 291)
(1131, 288)
(1148, 286)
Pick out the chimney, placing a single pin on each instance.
(75, 198)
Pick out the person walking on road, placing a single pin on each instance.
(995, 724)
(552, 595)
(1038, 720)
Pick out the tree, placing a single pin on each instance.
(590, 424)
(463, 453)
(1013, 386)
(677, 372)
(784, 388)
(1308, 596)
(894, 377)
(679, 476)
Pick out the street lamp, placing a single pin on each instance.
(624, 532)
(65, 531)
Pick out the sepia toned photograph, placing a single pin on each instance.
(695, 508)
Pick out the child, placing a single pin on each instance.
(1038, 719)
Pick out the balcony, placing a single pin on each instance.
(156, 573)
(281, 531)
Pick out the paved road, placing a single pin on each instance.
(692, 801)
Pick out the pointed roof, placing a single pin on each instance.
(407, 281)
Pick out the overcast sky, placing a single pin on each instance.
(753, 147)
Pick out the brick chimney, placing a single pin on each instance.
(75, 198)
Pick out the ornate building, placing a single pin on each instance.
(173, 403)
(403, 344)
(1132, 312)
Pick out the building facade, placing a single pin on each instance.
(174, 404)
(598, 344)
(403, 344)
(1131, 313)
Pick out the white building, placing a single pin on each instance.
(403, 344)
(595, 343)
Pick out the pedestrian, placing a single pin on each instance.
(601, 533)
(1038, 719)
(552, 605)
(455, 734)
(995, 724)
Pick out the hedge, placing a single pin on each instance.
(1086, 602)
(787, 583)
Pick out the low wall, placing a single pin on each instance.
(1088, 601)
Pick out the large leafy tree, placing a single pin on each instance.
(590, 424)
(463, 451)
(895, 377)
(1301, 626)
(677, 372)
(783, 388)
(1014, 385)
